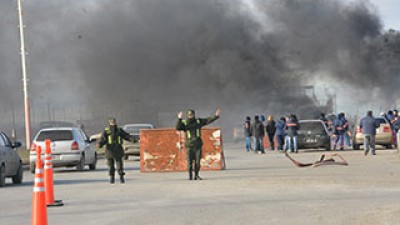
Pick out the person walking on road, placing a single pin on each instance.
(280, 132)
(368, 125)
(247, 133)
(258, 131)
(112, 139)
(192, 127)
(271, 129)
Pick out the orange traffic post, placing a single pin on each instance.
(39, 211)
(48, 177)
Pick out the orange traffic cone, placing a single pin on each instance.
(39, 211)
(48, 177)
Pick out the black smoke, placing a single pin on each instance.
(144, 60)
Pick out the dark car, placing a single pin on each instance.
(313, 134)
(10, 162)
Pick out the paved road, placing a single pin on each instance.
(255, 189)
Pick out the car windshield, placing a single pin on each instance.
(136, 129)
(55, 135)
(313, 127)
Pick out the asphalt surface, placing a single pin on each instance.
(254, 189)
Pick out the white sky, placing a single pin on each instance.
(390, 12)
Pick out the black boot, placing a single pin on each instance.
(122, 179)
(112, 179)
(197, 177)
(190, 175)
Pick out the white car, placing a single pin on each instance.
(70, 147)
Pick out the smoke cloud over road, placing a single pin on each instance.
(140, 60)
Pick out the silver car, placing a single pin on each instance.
(10, 162)
(70, 147)
(134, 130)
(384, 135)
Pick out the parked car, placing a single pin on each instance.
(313, 134)
(384, 135)
(70, 147)
(134, 130)
(10, 162)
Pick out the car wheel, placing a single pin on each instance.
(32, 168)
(356, 147)
(2, 176)
(93, 166)
(81, 164)
(17, 179)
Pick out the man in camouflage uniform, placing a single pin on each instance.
(112, 139)
(192, 127)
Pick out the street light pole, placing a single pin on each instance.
(24, 77)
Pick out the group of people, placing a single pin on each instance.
(393, 117)
(338, 126)
(285, 130)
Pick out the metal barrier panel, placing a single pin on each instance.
(164, 150)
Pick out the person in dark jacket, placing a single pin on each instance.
(280, 132)
(292, 127)
(323, 118)
(192, 127)
(247, 133)
(390, 117)
(346, 130)
(339, 126)
(112, 139)
(271, 129)
(368, 125)
(396, 127)
(258, 131)
(262, 119)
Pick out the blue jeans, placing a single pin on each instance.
(369, 143)
(291, 143)
(258, 145)
(262, 145)
(339, 138)
(248, 144)
(347, 139)
(281, 141)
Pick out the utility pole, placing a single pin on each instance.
(24, 77)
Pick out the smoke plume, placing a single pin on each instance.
(145, 60)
